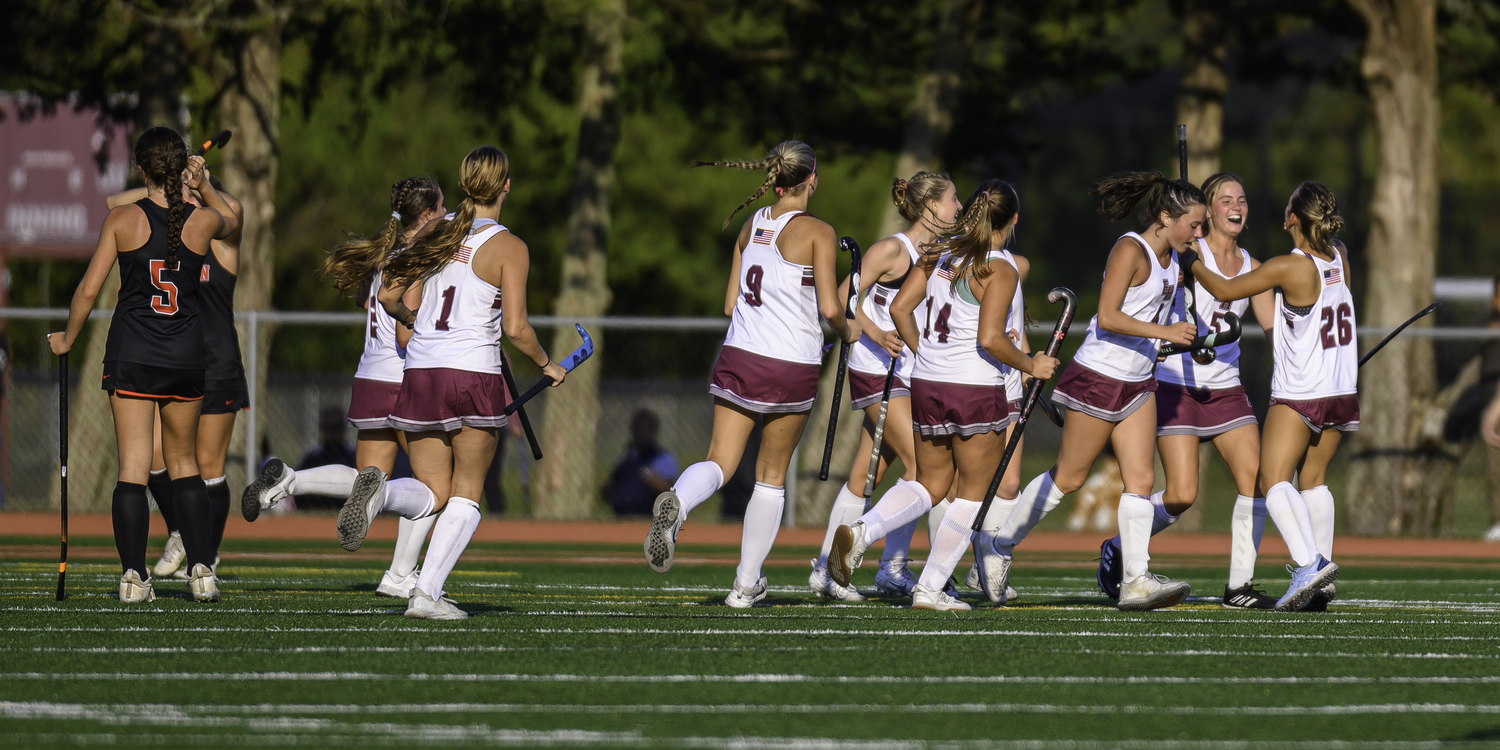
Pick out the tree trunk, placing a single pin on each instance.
(569, 479)
(1205, 81)
(1387, 471)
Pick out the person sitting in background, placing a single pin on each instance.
(647, 470)
(333, 448)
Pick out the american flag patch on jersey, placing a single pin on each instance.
(807, 277)
(762, 236)
(946, 272)
(1332, 276)
(463, 255)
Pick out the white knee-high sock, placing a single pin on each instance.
(410, 536)
(899, 506)
(846, 509)
(1000, 509)
(408, 498)
(935, 522)
(898, 542)
(455, 527)
(1282, 502)
(762, 521)
(1319, 502)
(333, 480)
(698, 483)
(953, 540)
(1135, 516)
(1245, 528)
(1160, 519)
(1039, 498)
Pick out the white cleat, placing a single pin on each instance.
(941, 601)
(1493, 535)
(359, 511)
(894, 577)
(181, 574)
(972, 581)
(268, 489)
(204, 584)
(993, 568)
(172, 556)
(821, 586)
(397, 588)
(1307, 582)
(741, 598)
(661, 540)
(1151, 592)
(135, 591)
(847, 552)
(423, 607)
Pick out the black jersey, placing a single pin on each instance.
(157, 319)
(221, 343)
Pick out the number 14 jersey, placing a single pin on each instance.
(949, 351)
(458, 324)
(1316, 352)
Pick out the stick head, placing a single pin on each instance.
(582, 353)
(220, 138)
(1068, 299)
(849, 245)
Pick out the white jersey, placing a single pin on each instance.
(1131, 358)
(1224, 371)
(949, 320)
(1015, 320)
(867, 356)
(776, 315)
(1315, 353)
(381, 360)
(458, 325)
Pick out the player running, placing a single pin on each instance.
(154, 356)
(354, 266)
(1198, 401)
(930, 202)
(1314, 381)
(963, 291)
(781, 279)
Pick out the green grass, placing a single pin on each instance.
(584, 646)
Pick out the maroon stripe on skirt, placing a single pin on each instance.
(1334, 412)
(762, 384)
(956, 409)
(1203, 413)
(371, 403)
(866, 389)
(443, 400)
(1100, 396)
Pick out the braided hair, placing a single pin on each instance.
(991, 209)
(350, 265)
(162, 156)
(1318, 211)
(482, 178)
(787, 166)
(1119, 195)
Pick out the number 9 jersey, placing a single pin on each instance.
(156, 321)
(776, 315)
(1315, 351)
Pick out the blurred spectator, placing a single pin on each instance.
(1477, 410)
(646, 471)
(332, 448)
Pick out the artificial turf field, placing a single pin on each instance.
(583, 646)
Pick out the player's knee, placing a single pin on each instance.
(1177, 500)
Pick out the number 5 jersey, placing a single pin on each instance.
(156, 320)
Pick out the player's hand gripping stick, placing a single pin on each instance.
(570, 363)
(1069, 302)
(885, 406)
(845, 243)
(1208, 342)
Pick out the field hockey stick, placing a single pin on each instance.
(1428, 310)
(62, 455)
(570, 363)
(220, 138)
(1229, 335)
(1069, 301)
(885, 406)
(845, 243)
(1051, 411)
(1188, 283)
(510, 383)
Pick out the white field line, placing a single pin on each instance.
(746, 679)
(1280, 654)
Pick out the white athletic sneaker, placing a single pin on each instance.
(1493, 535)
(359, 511)
(267, 490)
(740, 598)
(397, 588)
(847, 553)
(661, 540)
(135, 591)
(203, 584)
(423, 607)
(1307, 581)
(994, 569)
(972, 581)
(822, 586)
(894, 577)
(925, 598)
(1151, 592)
(181, 574)
(172, 556)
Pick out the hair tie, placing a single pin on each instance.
(396, 215)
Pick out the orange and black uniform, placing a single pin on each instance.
(224, 389)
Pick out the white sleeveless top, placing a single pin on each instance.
(458, 325)
(1130, 358)
(381, 360)
(867, 356)
(1224, 371)
(949, 322)
(776, 314)
(1015, 320)
(1316, 354)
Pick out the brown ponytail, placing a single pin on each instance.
(1119, 194)
(350, 265)
(162, 156)
(912, 196)
(787, 165)
(1317, 210)
(482, 178)
(989, 210)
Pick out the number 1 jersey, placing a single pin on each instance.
(1315, 352)
(458, 324)
(156, 320)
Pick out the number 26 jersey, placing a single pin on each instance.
(1315, 353)
(776, 315)
(458, 324)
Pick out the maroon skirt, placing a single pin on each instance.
(1335, 412)
(1203, 413)
(443, 400)
(956, 409)
(1100, 396)
(865, 389)
(763, 385)
(371, 403)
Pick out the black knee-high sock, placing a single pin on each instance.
(218, 502)
(132, 518)
(195, 520)
(161, 491)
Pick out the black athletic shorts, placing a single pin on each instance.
(145, 381)
(225, 396)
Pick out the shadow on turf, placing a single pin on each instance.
(1489, 733)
